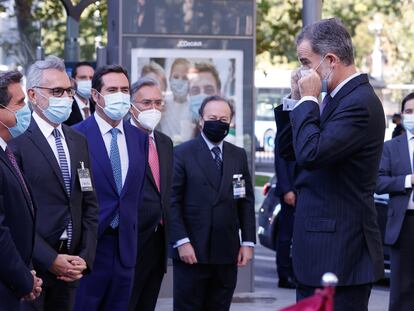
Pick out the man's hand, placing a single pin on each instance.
(187, 254)
(294, 86)
(68, 268)
(245, 255)
(310, 85)
(290, 198)
(36, 290)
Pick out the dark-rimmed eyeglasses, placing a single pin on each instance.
(58, 91)
(148, 103)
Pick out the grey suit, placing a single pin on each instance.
(399, 233)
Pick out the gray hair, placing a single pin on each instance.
(35, 72)
(141, 82)
(329, 36)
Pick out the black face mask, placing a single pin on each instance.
(216, 130)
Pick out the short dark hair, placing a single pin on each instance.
(101, 71)
(7, 78)
(405, 100)
(215, 98)
(80, 64)
(329, 36)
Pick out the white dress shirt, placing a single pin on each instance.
(210, 146)
(105, 129)
(3, 144)
(82, 105)
(408, 185)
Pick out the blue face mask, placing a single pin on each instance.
(59, 109)
(179, 87)
(116, 105)
(23, 117)
(408, 121)
(195, 104)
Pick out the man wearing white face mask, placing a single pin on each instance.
(54, 159)
(119, 152)
(146, 108)
(83, 106)
(396, 178)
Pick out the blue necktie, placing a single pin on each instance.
(116, 170)
(217, 157)
(64, 168)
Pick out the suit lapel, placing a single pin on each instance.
(72, 152)
(206, 163)
(162, 157)
(404, 152)
(98, 150)
(345, 90)
(39, 140)
(132, 156)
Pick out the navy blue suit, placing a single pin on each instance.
(399, 234)
(17, 231)
(285, 171)
(101, 289)
(338, 155)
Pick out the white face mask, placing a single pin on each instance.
(84, 88)
(116, 105)
(149, 119)
(408, 121)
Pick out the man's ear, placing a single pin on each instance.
(95, 95)
(31, 95)
(200, 122)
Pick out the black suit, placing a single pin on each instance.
(338, 155)
(399, 234)
(76, 115)
(152, 236)
(203, 209)
(43, 173)
(17, 231)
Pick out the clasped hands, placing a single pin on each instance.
(68, 268)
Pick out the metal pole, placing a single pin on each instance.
(40, 53)
(312, 11)
(72, 49)
(101, 59)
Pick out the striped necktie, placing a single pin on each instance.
(217, 158)
(64, 168)
(115, 159)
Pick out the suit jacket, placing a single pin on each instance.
(203, 207)
(110, 202)
(338, 155)
(395, 165)
(56, 208)
(156, 204)
(76, 115)
(17, 231)
(285, 171)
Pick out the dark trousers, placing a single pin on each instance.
(203, 287)
(402, 268)
(149, 273)
(284, 241)
(108, 286)
(347, 298)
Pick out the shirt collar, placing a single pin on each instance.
(3, 144)
(340, 85)
(409, 135)
(105, 127)
(150, 134)
(45, 127)
(211, 145)
(80, 102)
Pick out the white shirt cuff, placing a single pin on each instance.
(247, 243)
(304, 98)
(181, 242)
(408, 181)
(288, 103)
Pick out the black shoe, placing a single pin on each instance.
(287, 283)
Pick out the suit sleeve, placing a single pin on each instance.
(246, 206)
(387, 181)
(13, 271)
(284, 182)
(177, 227)
(90, 214)
(283, 140)
(340, 137)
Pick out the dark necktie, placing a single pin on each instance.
(217, 158)
(13, 162)
(325, 102)
(64, 168)
(115, 159)
(86, 111)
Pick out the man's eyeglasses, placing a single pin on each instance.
(148, 103)
(58, 91)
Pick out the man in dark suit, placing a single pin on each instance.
(285, 190)
(337, 145)
(147, 104)
(212, 199)
(396, 178)
(17, 210)
(51, 155)
(82, 106)
(119, 152)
